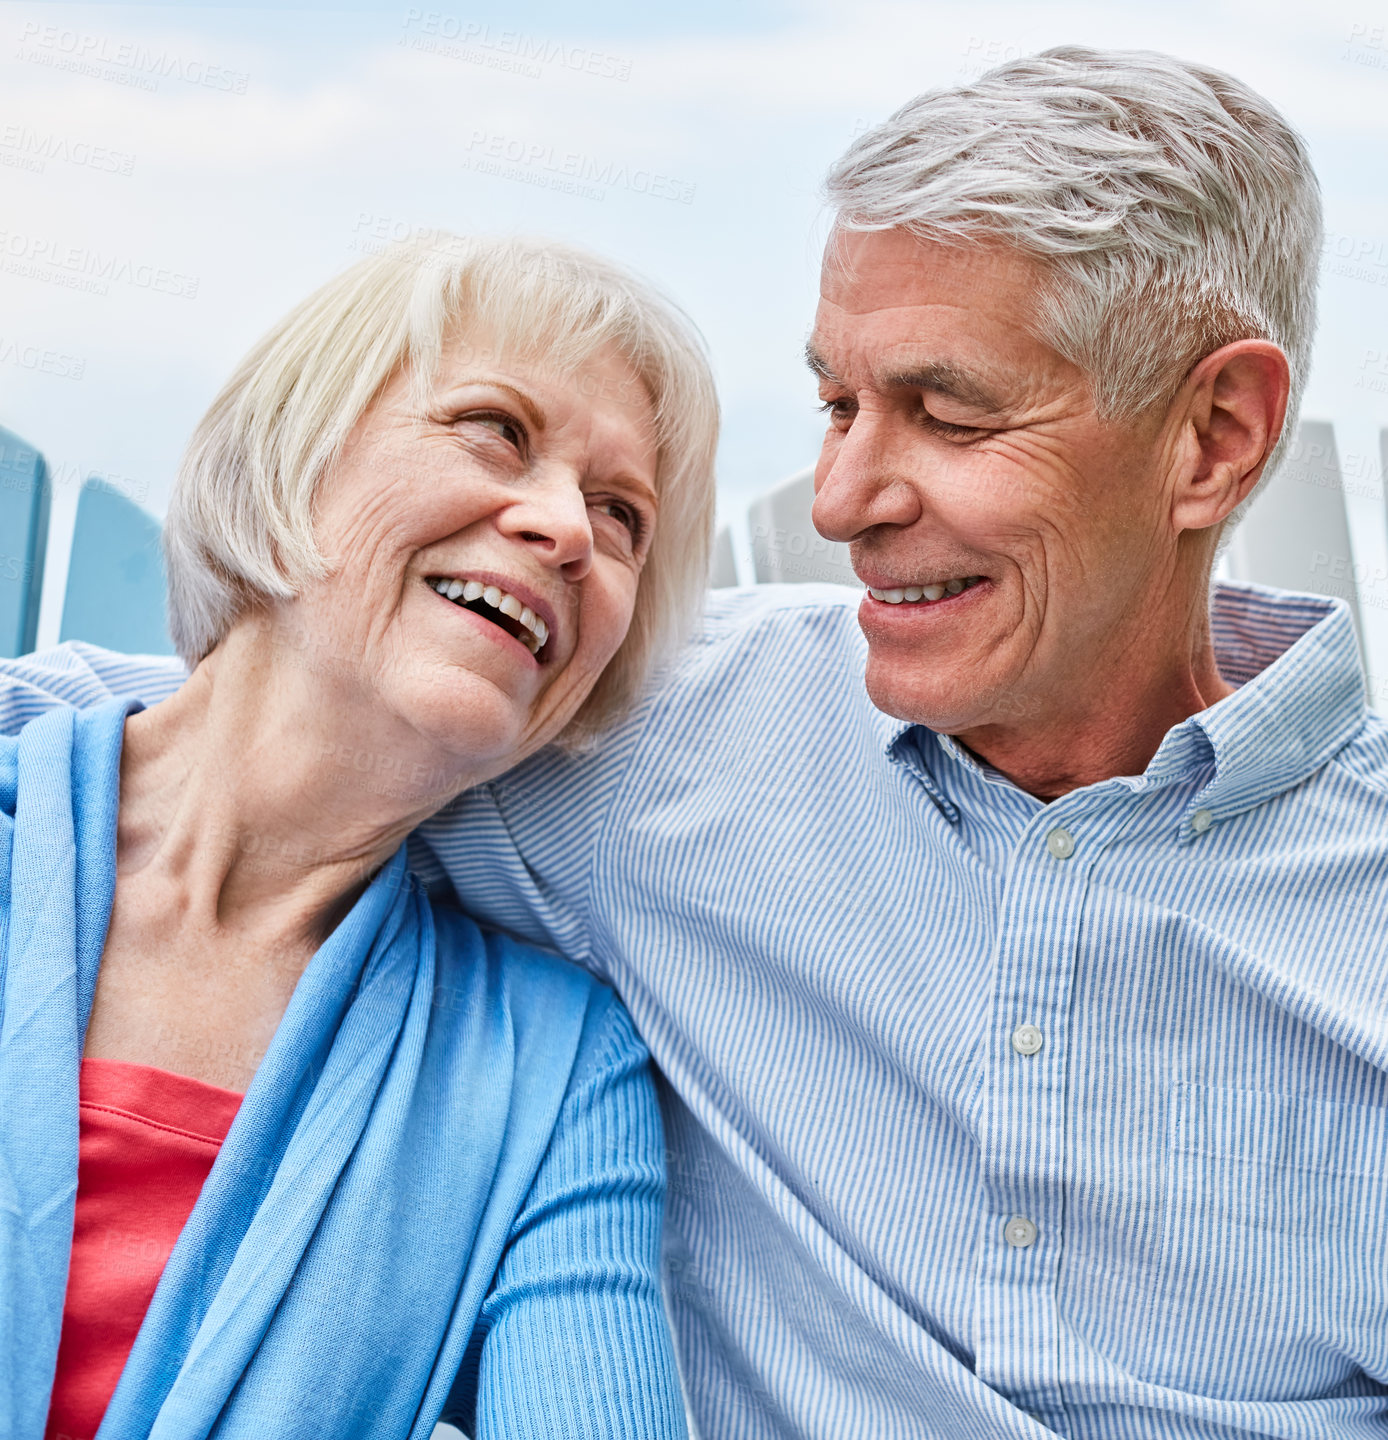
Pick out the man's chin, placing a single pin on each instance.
(944, 703)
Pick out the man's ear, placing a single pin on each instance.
(1234, 401)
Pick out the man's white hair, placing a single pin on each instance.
(239, 531)
(1175, 210)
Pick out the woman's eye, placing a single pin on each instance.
(500, 425)
(625, 514)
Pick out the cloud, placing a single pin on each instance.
(353, 120)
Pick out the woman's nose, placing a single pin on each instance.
(551, 516)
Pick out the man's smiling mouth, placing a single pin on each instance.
(926, 594)
(497, 605)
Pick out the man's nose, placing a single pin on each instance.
(551, 516)
(859, 483)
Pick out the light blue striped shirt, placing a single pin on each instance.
(985, 1115)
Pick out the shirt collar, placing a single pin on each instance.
(1300, 698)
(1301, 695)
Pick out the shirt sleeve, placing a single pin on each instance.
(520, 853)
(527, 853)
(76, 673)
(573, 1343)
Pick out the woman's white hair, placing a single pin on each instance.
(239, 531)
(1175, 210)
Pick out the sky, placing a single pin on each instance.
(228, 158)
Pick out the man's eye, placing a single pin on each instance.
(945, 429)
(840, 412)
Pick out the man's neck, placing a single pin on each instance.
(1123, 714)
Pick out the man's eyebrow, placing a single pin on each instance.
(937, 377)
(819, 364)
(944, 379)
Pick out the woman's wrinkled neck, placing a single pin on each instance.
(266, 794)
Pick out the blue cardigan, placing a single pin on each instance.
(441, 1197)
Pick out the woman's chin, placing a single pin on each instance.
(475, 728)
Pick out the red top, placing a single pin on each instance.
(146, 1141)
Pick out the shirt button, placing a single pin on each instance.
(1027, 1039)
(1201, 821)
(1019, 1232)
(1061, 843)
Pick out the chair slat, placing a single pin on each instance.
(115, 578)
(1296, 533)
(785, 544)
(24, 499)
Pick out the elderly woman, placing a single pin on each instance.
(287, 1149)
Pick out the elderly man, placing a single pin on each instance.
(1023, 1020)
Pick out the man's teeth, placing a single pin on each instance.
(909, 594)
(466, 591)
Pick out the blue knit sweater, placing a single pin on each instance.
(441, 1196)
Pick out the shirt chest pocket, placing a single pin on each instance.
(1273, 1276)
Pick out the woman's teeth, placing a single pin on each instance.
(910, 594)
(469, 592)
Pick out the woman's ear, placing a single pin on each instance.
(1235, 402)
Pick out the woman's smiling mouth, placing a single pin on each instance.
(499, 606)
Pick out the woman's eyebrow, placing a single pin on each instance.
(526, 403)
(624, 480)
